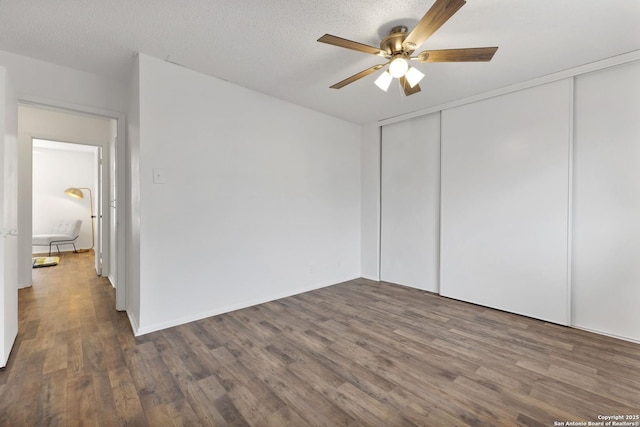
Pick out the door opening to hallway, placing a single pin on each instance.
(66, 189)
(61, 153)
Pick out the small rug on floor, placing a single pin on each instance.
(45, 261)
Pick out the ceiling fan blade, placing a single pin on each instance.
(472, 54)
(439, 13)
(350, 44)
(358, 76)
(408, 90)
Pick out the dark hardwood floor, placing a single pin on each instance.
(357, 353)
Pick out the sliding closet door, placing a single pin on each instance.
(505, 179)
(411, 202)
(606, 262)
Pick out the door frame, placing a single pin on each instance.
(8, 217)
(114, 155)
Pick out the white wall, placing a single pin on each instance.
(261, 196)
(606, 279)
(132, 208)
(56, 167)
(51, 84)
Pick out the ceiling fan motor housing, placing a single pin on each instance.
(393, 43)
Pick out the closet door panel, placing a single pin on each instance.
(411, 202)
(505, 180)
(606, 220)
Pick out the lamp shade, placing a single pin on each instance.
(74, 192)
(384, 80)
(413, 76)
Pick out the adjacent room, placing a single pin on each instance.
(65, 177)
(320, 213)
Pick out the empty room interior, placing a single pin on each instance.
(385, 213)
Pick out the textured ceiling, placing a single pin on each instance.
(270, 46)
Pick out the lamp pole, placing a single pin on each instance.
(77, 193)
(92, 215)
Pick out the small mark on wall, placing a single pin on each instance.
(159, 175)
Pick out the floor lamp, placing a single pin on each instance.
(78, 194)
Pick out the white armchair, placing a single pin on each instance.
(64, 233)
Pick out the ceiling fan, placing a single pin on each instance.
(400, 44)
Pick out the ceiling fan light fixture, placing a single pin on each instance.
(413, 76)
(384, 81)
(398, 67)
(399, 46)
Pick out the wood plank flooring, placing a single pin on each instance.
(354, 354)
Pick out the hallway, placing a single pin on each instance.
(70, 339)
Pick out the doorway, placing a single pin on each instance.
(66, 187)
(37, 122)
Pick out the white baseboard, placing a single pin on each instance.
(134, 323)
(229, 308)
(606, 334)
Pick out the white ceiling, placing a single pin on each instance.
(270, 46)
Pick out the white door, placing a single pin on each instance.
(411, 202)
(113, 236)
(504, 204)
(9, 218)
(98, 213)
(606, 209)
